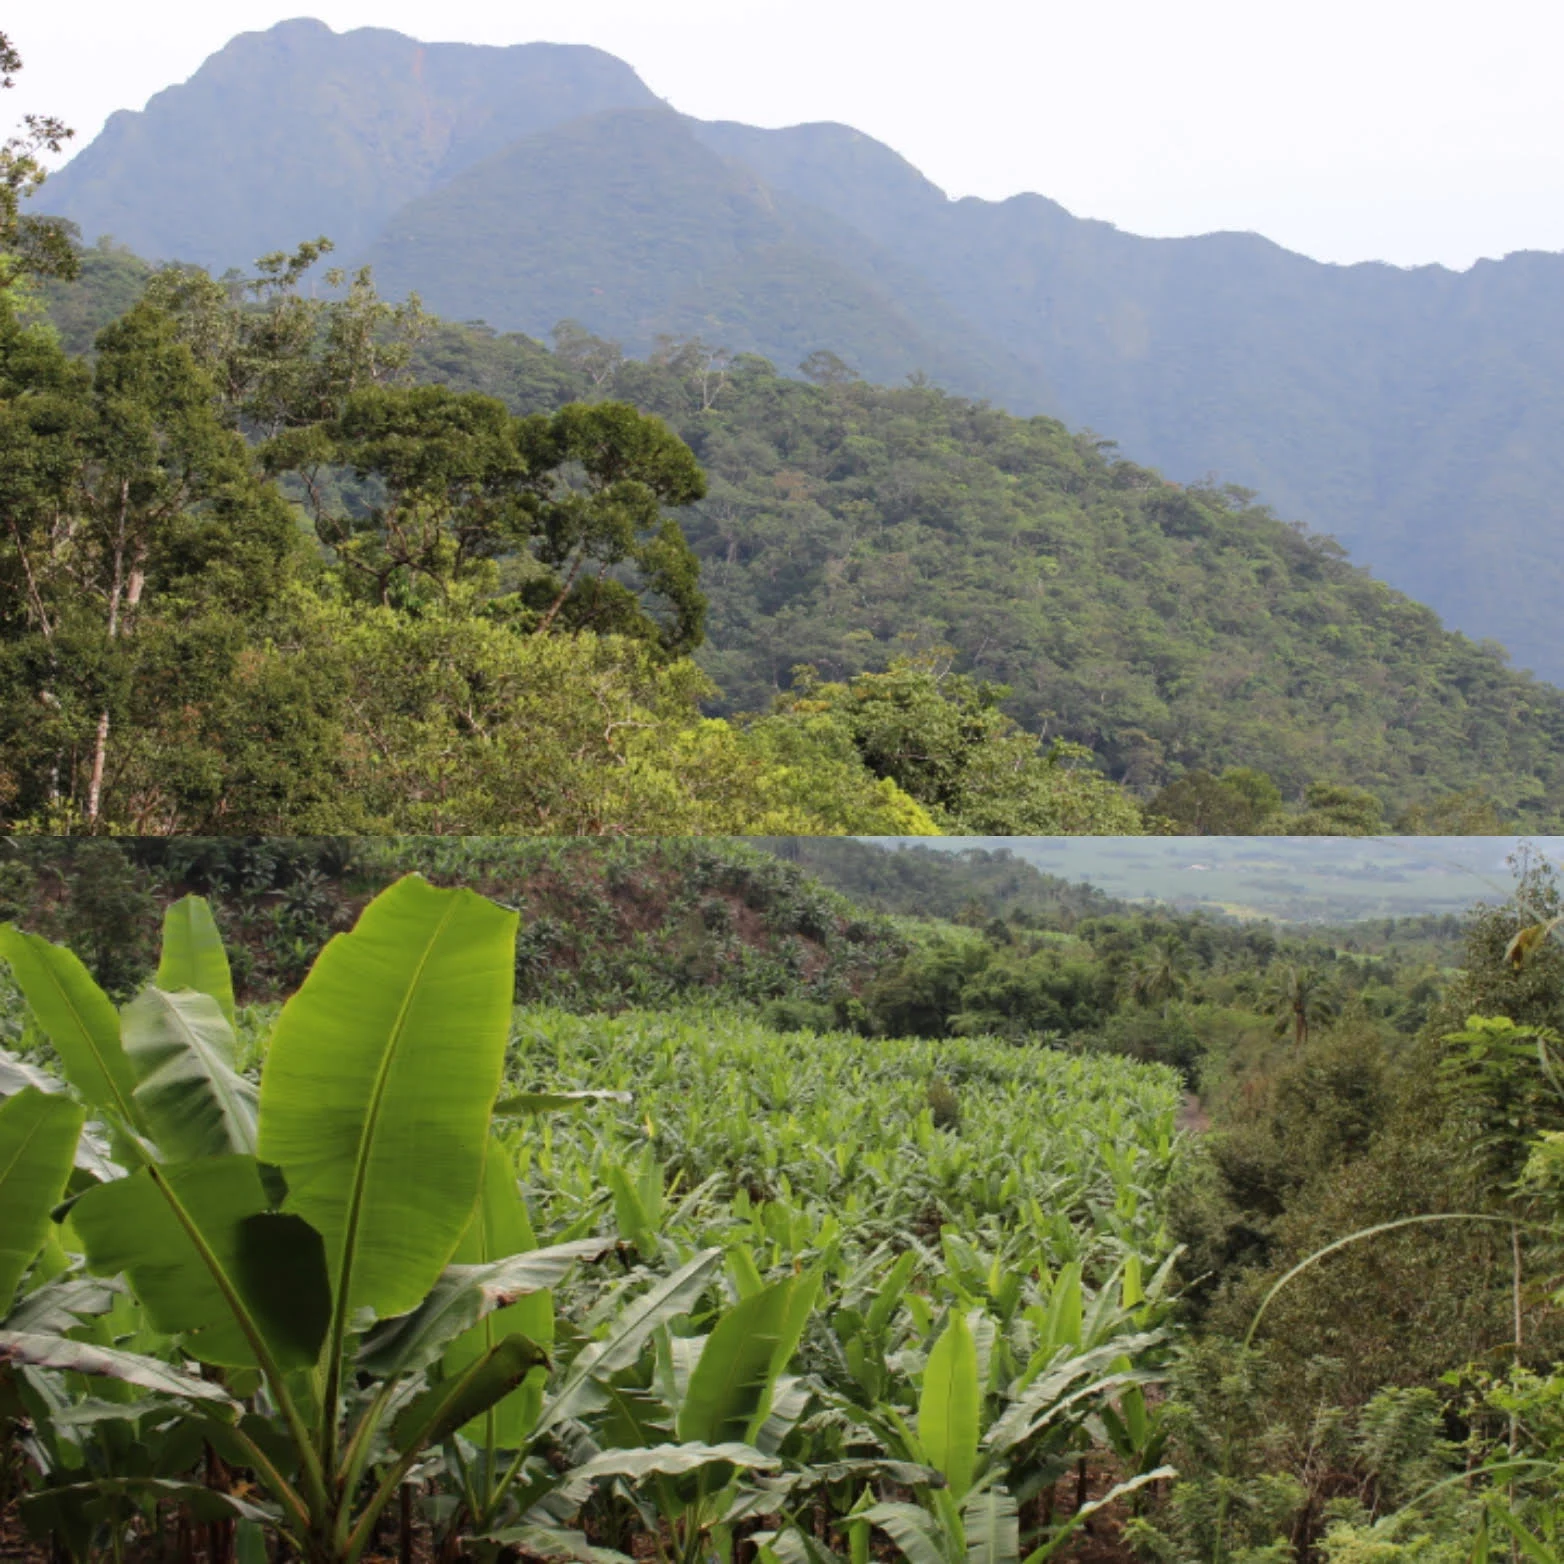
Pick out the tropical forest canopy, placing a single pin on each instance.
(917, 587)
(1408, 412)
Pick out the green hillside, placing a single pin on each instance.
(1169, 630)
(1166, 628)
(1408, 412)
(915, 880)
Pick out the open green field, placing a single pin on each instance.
(1039, 1158)
(1289, 879)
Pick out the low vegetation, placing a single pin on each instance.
(334, 1286)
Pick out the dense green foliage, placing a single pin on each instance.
(1234, 671)
(978, 884)
(1166, 629)
(258, 584)
(1408, 412)
(1343, 1082)
(1172, 634)
(369, 1297)
(638, 921)
(954, 943)
(31, 246)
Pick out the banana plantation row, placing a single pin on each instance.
(397, 1265)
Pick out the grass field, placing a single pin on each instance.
(1290, 879)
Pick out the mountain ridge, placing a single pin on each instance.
(468, 100)
(1409, 412)
(654, 166)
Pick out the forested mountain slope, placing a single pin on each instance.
(1168, 629)
(1410, 413)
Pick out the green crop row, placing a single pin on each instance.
(400, 1256)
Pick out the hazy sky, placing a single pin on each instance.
(1401, 130)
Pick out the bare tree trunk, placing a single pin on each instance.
(130, 594)
(100, 749)
(564, 592)
(1516, 1279)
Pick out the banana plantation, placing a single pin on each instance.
(400, 1270)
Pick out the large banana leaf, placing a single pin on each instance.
(193, 1101)
(92, 1148)
(793, 1546)
(921, 1539)
(16, 1075)
(992, 1523)
(790, 1398)
(674, 1460)
(84, 1357)
(193, 956)
(786, 1490)
(38, 1133)
(378, 1085)
(499, 1227)
(200, 1245)
(631, 1330)
(729, 1394)
(537, 1541)
(78, 1017)
(950, 1407)
(436, 1414)
(1067, 1382)
(465, 1295)
(63, 1304)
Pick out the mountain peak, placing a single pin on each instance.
(299, 130)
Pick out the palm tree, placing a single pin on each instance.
(1159, 977)
(1300, 998)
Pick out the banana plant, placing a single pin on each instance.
(864, 1326)
(993, 1451)
(681, 1429)
(1137, 1429)
(268, 1231)
(40, 1129)
(491, 1454)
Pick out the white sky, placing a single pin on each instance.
(1401, 130)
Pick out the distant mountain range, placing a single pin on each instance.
(1414, 414)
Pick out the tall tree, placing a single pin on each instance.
(553, 521)
(132, 518)
(1300, 998)
(941, 738)
(1160, 976)
(282, 358)
(29, 246)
